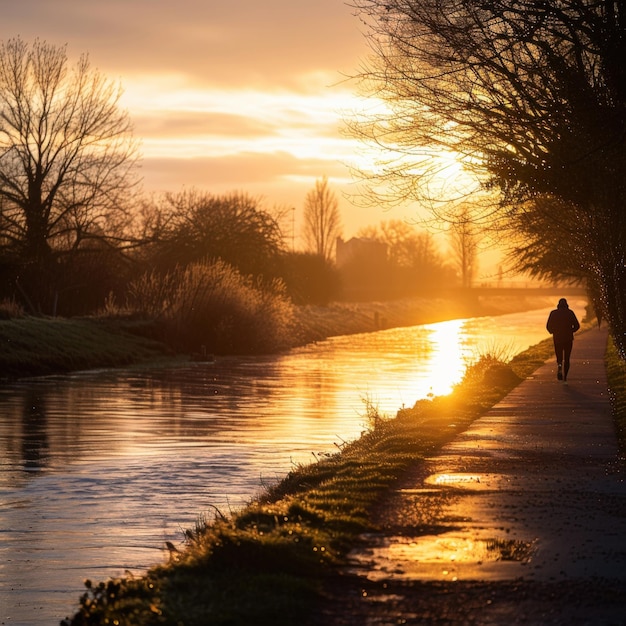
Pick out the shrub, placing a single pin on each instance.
(310, 278)
(211, 305)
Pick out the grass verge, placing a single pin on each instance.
(36, 346)
(268, 563)
(616, 376)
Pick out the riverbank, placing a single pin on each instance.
(344, 318)
(40, 346)
(37, 346)
(271, 562)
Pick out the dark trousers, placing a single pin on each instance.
(563, 350)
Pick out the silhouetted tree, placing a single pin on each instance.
(534, 251)
(532, 95)
(407, 246)
(414, 263)
(66, 159)
(322, 221)
(191, 226)
(464, 246)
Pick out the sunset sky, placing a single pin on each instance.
(229, 95)
(236, 95)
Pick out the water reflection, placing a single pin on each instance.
(449, 355)
(449, 555)
(99, 469)
(34, 432)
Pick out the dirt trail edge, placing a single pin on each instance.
(520, 520)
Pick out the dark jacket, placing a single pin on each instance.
(562, 323)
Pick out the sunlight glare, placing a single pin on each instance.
(178, 120)
(448, 360)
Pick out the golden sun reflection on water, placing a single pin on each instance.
(448, 548)
(454, 479)
(448, 359)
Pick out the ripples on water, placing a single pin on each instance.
(99, 469)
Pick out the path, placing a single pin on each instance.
(521, 519)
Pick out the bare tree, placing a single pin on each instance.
(407, 246)
(413, 261)
(464, 246)
(66, 153)
(532, 96)
(322, 221)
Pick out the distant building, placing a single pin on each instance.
(361, 249)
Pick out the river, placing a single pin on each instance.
(100, 468)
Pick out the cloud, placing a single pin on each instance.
(193, 123)
(234, 43)
(185, 124)
(223, 111)
(239, 172)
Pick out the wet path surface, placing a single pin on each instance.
(525, 512)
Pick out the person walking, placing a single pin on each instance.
(562, 324)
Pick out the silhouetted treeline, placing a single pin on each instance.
(212, 274)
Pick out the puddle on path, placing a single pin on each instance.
(449, 556)
(452, 479)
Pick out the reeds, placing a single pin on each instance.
(211, 304)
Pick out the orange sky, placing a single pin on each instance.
(225, 95)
